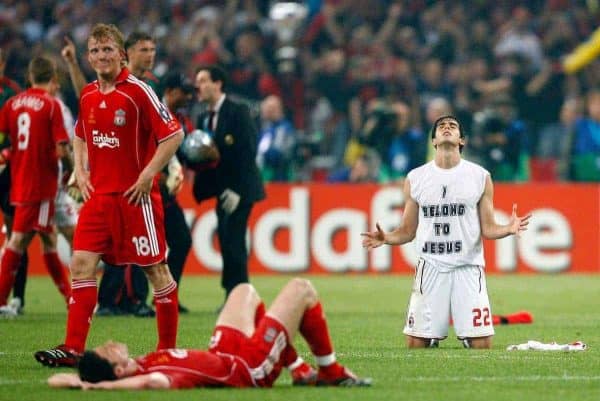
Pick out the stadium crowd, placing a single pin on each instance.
(346, 90)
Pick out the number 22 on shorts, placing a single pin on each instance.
(481, 317)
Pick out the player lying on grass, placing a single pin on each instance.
(248, 349)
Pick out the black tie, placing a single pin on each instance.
(211, 120)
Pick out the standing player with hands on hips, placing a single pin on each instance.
(126, 135)
(449, 207)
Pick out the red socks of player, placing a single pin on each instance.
(167, 315)
(9, 265)
(58, 273)
(81, 307)
(314, 330)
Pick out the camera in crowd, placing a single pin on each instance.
(380, 125)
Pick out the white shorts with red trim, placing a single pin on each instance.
(439, 295)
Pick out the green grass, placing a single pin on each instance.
(366, 316)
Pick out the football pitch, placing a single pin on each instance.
(366, 316)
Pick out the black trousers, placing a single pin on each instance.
(128, 286)
(21, 279)
(231, 230)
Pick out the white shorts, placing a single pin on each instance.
(66, 210)
(438, 295)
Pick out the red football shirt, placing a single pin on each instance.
(122, 130)
(187, 368)
(34, 123)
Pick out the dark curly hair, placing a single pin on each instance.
(93, 368)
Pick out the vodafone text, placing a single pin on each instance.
(314, 244)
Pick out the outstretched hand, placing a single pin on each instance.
(373, 239)
(516, 224)
(68, 52)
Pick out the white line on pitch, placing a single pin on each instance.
(494, 379)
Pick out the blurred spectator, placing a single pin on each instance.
(292, 85)
(327, 60)
(364, 169)
(436, 108)
(250, 74)
(276, 143)
(518, 38)
(586, 148)
(8, 87)
(501, 140)
(553, 155)
(433, 83)
(407, 147)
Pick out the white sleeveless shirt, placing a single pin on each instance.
(449, 231)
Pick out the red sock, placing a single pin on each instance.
(59, 274)
(314, 329)
(167, 315)
(9, 265)
(84, 295)
(259, 314)
(289, 355)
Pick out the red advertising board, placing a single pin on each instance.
(315, 228)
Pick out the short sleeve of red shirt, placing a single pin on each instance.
(157, 116)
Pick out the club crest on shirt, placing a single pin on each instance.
(229, 139)
(119, 118)
(270, 335)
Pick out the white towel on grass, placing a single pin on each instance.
(553, 346)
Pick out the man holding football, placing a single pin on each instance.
(235, 180)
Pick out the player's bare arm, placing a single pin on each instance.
(489, 228)
(165, 150)
(65, 380)
(155, 380)
(82, 175)
(69, 54)
(404, 233)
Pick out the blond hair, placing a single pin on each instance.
(108, 31)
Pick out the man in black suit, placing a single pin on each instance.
(235, 181)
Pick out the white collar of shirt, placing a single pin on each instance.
(219, 104)
(215, 116)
